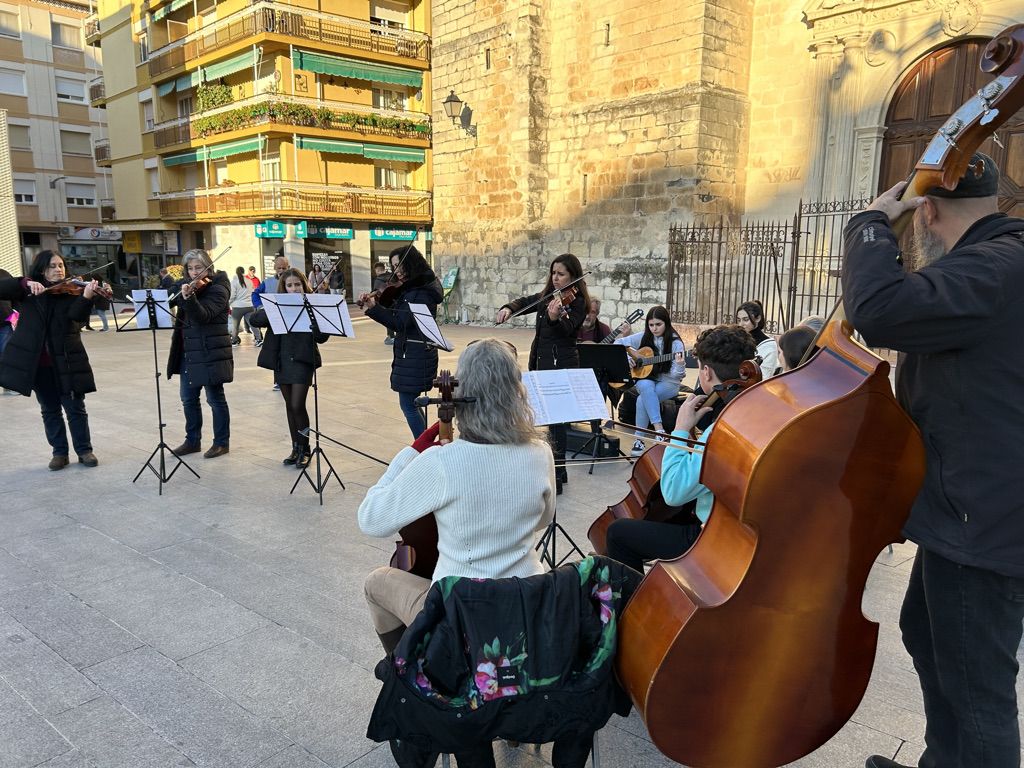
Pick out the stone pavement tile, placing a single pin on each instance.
(14, 574)
(46, 682)
(107, 733)
(280, 527)
(312, 695)
(312, 615)
(74, 554)
(200, 722)
(72, 759)
(20, 519)
(26, 738)
(79, 633)
(139, 525)
(173, 613)
(850, 747)
(877, 711)
(616, 747)
(297, 757)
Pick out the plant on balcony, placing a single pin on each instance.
(212, 95)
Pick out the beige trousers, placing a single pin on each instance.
(395, 597)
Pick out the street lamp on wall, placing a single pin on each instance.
(459, 113)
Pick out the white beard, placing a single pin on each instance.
(927, 247)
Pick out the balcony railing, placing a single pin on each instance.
(101, 151)
(92, 29)
(107, 210)
(300, 23)
(97, 90)
(259, 198)
(285, 110)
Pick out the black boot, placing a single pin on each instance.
(304, 456)
(291, 457)
(390, 639)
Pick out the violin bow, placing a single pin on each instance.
(548, 297)
(202, 273)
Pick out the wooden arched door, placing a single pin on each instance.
(928, 95)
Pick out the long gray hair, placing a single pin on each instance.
(196, 254)
(488, 370)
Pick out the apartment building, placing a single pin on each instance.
(299, 127)
(59, 192)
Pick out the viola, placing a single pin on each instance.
(751, 648)
(566, 297)
(644, 500)
(75, 286)
(416, 551)
(386, 296)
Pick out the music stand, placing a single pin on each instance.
(299, 313)
(610, 363)
(157, 317)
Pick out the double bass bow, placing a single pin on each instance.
(416, 551)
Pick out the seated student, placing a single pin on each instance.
(794, 343)
(719, 353)
(663, 383)
(750, 317)
(593, 329)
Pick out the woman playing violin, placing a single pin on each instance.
(46, 355)
(558, 323)
(660, 337)
(719, 353)
(201, 351)
(498, 455)
(414, 365)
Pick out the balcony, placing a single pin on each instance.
(92, 29)
(291, 112)
(101, 151)
(300, 24)
(97, 93)
(298, 199)
(107, 212)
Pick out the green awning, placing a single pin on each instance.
(218, 151)
(227, 67)
(165, 88)
(332, 145)
(325, 64)
(170, 8)
(186, 158)
(186, 81)
(398, 154)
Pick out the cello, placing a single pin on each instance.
(750, 650)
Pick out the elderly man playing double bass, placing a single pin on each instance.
(957, 317)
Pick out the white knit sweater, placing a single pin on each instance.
(488, 501)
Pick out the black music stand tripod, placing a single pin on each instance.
(548, 540)
(156, 309)
(610, 363)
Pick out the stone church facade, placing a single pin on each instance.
(591, 126)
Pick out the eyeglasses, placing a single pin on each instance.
(515, 352)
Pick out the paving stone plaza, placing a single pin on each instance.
(222, 624)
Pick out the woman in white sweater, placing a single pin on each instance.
(663, 383)
(489, 490)
(241, 307)
(750, 317)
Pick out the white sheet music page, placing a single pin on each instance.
(570, 394)
(164, 318)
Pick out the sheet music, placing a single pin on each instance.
(570, 394)
(429, 328)
(287, 313)
(164, 319)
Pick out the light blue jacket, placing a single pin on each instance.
(680, 477)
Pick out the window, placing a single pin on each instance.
(80, 194)
(390, 178)
(18, 137)
(75, 143)
(220, 171)
(388, 99)
(70, 90)
(12, 81)
(154, 181)
(9, 23)
(24, 191)
(185, 106)
(147, 115)
(65, 35)
(143, 47)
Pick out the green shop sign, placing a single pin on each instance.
(269, 228)
(387, 233)
(301, 230)
(331, 231)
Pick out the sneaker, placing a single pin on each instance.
(389, 340)
(103, 330)
(638, 448)
(236, 342)
(257, 343)
(277, 387)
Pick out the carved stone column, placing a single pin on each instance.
(827, 56)
(843, 111)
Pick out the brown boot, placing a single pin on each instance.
(186, 448)
(215, 451)
(58, 462)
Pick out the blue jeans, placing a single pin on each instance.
(194, 413)
(962, 627)
(650, 394)
(5, 335)
(51, 400)
(413, 415)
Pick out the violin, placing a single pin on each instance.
(644, 500)
(566, 297)
(416, 552)
(386, 296)
(75, 286)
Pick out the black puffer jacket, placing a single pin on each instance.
(292, 356)
(415, 364)
(53, 322)
(958, 320)
(201, 336)
(554, 345)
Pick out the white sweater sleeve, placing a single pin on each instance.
(549, 496)
(414, 485)
(769, 352)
